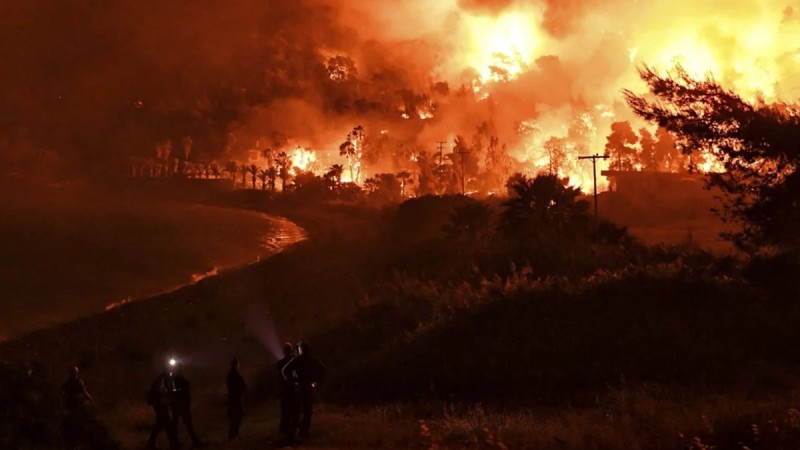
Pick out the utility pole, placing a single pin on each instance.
(594, 159)
(463, 154)
(440, 147)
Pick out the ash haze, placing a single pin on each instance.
(89, 84)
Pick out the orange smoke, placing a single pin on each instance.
(546, 74)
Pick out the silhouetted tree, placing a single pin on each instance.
(667, 155)
(498, 164)
(253, 171)
(341, 69)
(272, 175)
(648, 153)
(383, 188)
(284, 165)
(469, 220)
(757, 143)
(427, 179)
(232, 168)
(352, 149)
(542, 201)
(405, 179)
(215, 172)
(556, 153)
(244, 169)
(334, 173)
(620, 146)
(263, 177)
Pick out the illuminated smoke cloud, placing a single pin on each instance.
(111, 80)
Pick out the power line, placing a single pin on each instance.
(440, 147)
(594, 159)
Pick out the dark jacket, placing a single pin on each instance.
(287, 380)
(162, 391)
(307, 370)
(183, 394)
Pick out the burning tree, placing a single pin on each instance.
(557, 154)
(755, 142)
(334, 174)
(621, 146)
(352, 149)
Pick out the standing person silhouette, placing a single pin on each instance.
(310, 374)
(236, 388)
(75, 412)
(161, 396)
(287, 394)
(182, 406)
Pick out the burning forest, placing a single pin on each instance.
(486, 217)
(463, 89)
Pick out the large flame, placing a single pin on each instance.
(303, 159)
(500, 48)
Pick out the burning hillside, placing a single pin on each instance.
(524, 85)
(507, 85)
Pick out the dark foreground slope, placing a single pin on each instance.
(429, 344)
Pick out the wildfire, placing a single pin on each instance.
(554, 70)
(742, 47)
(303, 159)
(502, 47)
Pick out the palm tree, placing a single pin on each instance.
(284, 164)
(272, 175)
(348, 150)
(215, 172)
(188, 169)
(244, 170)
(469, 220)
(352, 149)
(405, 179)
(334, 174)
(253, 171)
(545, 199)
(263, 176)
(232, 168)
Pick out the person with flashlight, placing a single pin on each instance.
(309, 373)
(161, 396)
(182, 405)
(287, 394)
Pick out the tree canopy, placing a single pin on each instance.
(757, 143)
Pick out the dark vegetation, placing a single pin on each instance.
(30, 408)
(470, 311)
